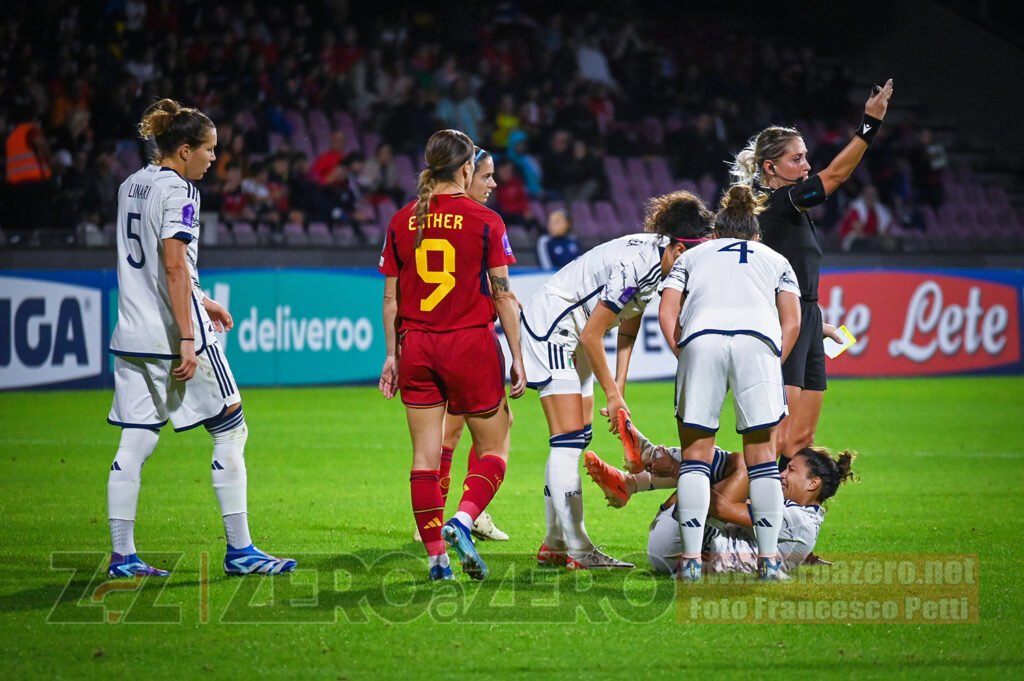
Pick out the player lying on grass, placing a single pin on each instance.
(811, 477)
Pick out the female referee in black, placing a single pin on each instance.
(775, 161)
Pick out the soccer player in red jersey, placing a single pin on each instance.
(445, 262)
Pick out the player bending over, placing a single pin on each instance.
(563, 348)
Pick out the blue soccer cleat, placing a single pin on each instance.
(252, 561)
(441, 572)
(769, 570)
(689, 570)
(457, 536)
(132, 566)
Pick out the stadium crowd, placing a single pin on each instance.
(322, 109)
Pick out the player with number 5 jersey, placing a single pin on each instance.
(445, 261)
(168, 365)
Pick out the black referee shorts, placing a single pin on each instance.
(805, 367)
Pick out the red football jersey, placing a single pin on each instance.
(443, 285)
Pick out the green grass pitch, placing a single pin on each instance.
(941, 465)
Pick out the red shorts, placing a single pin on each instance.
(464, 368)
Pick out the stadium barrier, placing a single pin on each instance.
(322, 326)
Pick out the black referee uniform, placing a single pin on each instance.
(789, 230)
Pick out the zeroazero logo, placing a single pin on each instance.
(49, 332)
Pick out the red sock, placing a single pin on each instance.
(481, 484)
(473, 459)
(445, 473)
(428, 508)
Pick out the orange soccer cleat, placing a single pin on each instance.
(630, 443)
(611, 480)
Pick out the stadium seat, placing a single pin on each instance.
(244, 235)
(344, 236)
(520, 238)
(707, 190)
(608, 223)
(407, 176)
(583, 220)
(320, 130)
(224, 236)
(537, 208)
(295, 236)
(319, 235)
(661, 176)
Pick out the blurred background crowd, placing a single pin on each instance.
(322, 110)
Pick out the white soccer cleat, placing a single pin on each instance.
(769, 570)
(595, 559)
(484, 528)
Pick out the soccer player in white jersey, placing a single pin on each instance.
(168, 364)
(563, 350)
(729, 545)
(730, 309)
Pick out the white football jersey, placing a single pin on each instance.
(624, 273)
(153, 204)
(730, 287)
(733, 548)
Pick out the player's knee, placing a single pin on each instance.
(229, 426)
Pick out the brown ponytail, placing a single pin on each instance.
(737, 216)
(832, 471)
(447, 151)
(170, 125)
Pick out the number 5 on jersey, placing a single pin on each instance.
(444, 278)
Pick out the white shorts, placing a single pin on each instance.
(556, 369)
(146, 395)
(664, 543)
(711, 364)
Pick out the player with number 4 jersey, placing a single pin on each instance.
(730, 310)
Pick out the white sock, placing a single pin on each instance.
(236, 530)
(123, 484)
(465, 519)
(664, 483)
(440, 559)
(766, 504)
(554, 539)
(562, 476)
(644, 481)
(228, 469)
(122, 536)
(694, 489)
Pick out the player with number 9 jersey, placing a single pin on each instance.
(445, 262)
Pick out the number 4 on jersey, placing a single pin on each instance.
(738, 247)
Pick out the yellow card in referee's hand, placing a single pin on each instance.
(834, 349)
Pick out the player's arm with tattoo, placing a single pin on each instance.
(507, 307)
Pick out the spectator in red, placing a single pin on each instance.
(865, 222)
(512, 200)
(325, 168)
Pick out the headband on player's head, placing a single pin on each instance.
(478, 155)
